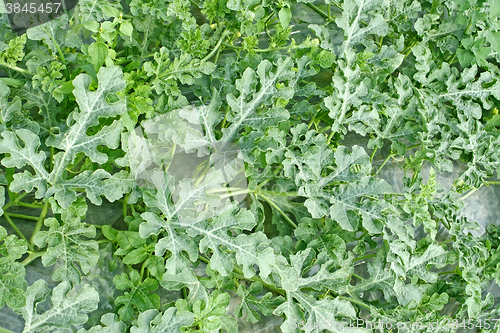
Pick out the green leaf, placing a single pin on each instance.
(98, 51)
(98, 10)
(53, 34)
(177, 242)
(44, 102)
(250, 250)
(8, 109)
(127, 28)
(12, 282)
(494, 9)
(138, 297)
(249, 300)
(170, 322)
(320, 314)
(22, 155)
(212, 315)
(93, 105)
(65, 244)
(417, 265)
(353, 12)
(285, 15)
(462, 91)
(243, 112)
(69, 307)
(291, 273)
(183, 68)
(112, 325)
(186, 278)
(95, 184)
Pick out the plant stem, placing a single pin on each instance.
(269, 201)
(78, 161)
(143, 267)
(366, 257)
(208, 56)
(280, 194)
(39, 223)
(52, 152)
(385, 161)
(470, 193)
(30, 205)
(258, 279)
(15, 68)
(16, 229)
(447, 241)
(24, 217)
(232, 194)
(172, 153)
(446, 225)
(205, 260)
(15, 201)
(486, 182)
(32, 256)
(362, 236)
(414, 146)
(355, 301)
(319, 11)
(329, 137)
(373, 154)
(125, 206)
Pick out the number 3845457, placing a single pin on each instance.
(33, 8)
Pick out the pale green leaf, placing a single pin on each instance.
(169, 322)
(69, 307)
(65, 244)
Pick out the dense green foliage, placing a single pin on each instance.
(319, 235)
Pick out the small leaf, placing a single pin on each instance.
(285, 15)
(126, 28)
(98, 51)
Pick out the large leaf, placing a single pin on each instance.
(69, 307)
(54, 34)
(250, 250)
(245, 107)
(93, 105)
(23, 155)
(320, 314)
(354, 12)
(65, 243)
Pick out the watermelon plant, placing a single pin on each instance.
(188, 166)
